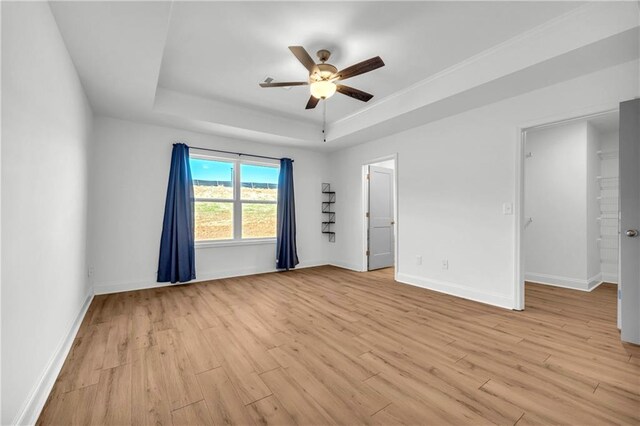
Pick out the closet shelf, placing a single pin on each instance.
(609, 238)
(609, 199)
(608, 182)
(608, 154)
(608, 215)
(330, 220)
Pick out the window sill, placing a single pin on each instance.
(233, 243)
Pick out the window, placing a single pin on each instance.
(234, 200)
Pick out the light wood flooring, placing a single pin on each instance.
(329, 346)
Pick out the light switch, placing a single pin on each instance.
(507, 208)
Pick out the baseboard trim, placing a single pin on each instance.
(34, 403)
(457, 290)
(594, 281)
(349, 266)
(565, 282)
(111, 288)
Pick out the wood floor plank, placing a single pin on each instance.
(142, 334)
(149, 397)
(410, 407)
(295, 399)
(552, 407)
(223, 402)
(112, 404)
(98, 312)
(195, 414)
(201, 354)
(86, 359)
(118, 350)
(269, 411)
(453, 388)
(342, 411)
(238, 365)
(623, 401)
(182, 386)
(329, 346)
(257, 353)
(345, 385)
(70, 408)
(203, 314)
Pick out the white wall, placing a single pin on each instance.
(128, 189)
(45, 141)
(453, 177)
(559, 242)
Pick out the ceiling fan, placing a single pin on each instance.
(323, 76)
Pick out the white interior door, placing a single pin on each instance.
(381, 221)
(629, 290)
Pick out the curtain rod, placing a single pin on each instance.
(239, 154)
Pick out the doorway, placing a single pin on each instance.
(379, 213)
(568, 230)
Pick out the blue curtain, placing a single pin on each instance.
(286, 253)
(177, 251)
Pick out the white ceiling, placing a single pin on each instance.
(222, 50)
(197, 65)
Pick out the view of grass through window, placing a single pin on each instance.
(213, 185)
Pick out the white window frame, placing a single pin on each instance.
(237, 202)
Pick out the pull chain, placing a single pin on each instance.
(324, 120)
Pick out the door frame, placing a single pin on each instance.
(518, 293)
(365, 207)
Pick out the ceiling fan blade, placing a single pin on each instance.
(311, 104)
(354, 93)
(304, 58)
(360, 68)
(285, 84)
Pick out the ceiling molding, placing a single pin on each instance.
(582, 27)
(533, 32)
(247, 122)
(613, 51)
(119, 50)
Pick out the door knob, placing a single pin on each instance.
(393, 222)
(631, 233)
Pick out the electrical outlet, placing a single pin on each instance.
(418, 260)
(90, 272)
(445, 264)
(507, 208)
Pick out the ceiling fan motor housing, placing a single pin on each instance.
(324, 72)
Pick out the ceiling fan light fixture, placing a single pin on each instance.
(323, 76)
(323, 89)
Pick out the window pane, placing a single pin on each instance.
(212, 179)
(214, 221)
(259, 182)
(258, 220)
